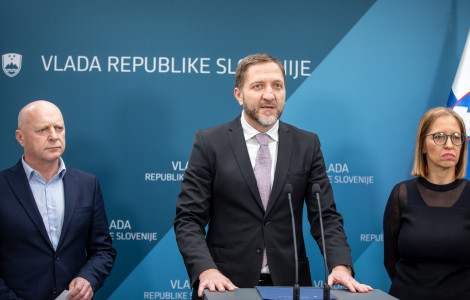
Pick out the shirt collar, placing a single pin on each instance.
(249, 132)
(29, 171)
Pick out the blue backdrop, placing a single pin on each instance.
(136, 79)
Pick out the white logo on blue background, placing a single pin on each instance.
(11, 64)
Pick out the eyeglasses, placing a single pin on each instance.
(440, 138)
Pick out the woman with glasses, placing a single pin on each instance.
(427, 219)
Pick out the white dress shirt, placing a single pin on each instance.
(252, 145)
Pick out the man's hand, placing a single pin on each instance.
(342, 275)
(80, 289)
(213, 280)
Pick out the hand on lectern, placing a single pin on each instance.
(342, 275)
(213, 280)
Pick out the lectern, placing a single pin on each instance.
(252, 294)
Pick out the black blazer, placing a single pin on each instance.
(219, 189)
(30, 268)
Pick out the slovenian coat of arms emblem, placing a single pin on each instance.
(11, 64)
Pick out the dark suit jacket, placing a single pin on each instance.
(30, 269)
(219, 188)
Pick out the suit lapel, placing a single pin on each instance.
(70, 198)
(20, 186)
(237, 139)
(284, 153)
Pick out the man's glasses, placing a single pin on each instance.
(440, 138)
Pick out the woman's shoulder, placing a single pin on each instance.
(404, 183)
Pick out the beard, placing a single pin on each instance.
(265, 120)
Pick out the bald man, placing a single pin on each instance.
(54, 232)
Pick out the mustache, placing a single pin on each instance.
(266, 103)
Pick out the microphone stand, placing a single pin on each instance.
(326, 287)
(296, 291)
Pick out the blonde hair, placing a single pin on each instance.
(420, 165)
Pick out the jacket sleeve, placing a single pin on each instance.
(337, 248)
(192, 212)
(99, 249)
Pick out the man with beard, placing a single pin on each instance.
(234, 183)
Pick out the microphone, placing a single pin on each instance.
(296, 292)
(326, 287)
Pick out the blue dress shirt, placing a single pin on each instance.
(50, 199)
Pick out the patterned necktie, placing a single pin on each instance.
(263, 168)
(263, 174)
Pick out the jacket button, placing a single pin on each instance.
(57, 258)
(259, 250)
(266, 223)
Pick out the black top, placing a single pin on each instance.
(427, 240)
